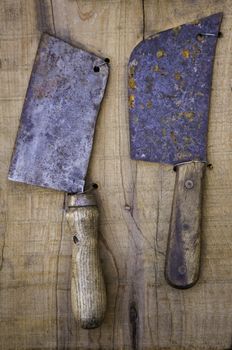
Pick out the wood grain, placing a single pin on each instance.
(134, 198)
(182, 266)
(88, 292)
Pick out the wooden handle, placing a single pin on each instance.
(87, 286)
(183, 253)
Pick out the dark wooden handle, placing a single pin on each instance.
(87, 286)
(183, 252)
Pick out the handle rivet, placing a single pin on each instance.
(188, 184)
(75, 239)
(182, 270)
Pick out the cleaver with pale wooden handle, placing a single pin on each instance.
(53, 148)
(169, 86)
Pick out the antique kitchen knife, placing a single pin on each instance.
(53, 148)
(169, 86)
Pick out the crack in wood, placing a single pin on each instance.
(134, 321)
(143, 14)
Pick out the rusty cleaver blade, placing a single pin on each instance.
(169, 83)
(53, 148)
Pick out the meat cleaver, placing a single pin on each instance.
(169, 85)
(53, 148)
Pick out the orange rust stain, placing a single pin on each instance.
(131, 101)
(178, 76)
(189, 115)
(187, 140)
(186, 53)
(156, 68)
(132, 84)
(160, 53)
(173, 136)
(131, 71)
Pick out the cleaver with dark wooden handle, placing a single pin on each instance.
(169, 83)
(53, 148)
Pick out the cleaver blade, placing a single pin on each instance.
(169, 85)
(55, 136)
(53, 148)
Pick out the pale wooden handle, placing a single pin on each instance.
(183, 253)
(87, 286)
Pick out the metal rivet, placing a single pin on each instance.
(200, 37)
(182, 270)
(188, 184)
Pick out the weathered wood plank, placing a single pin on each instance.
(111, 28)
(134, 198)
(30, 218)
(200, 318)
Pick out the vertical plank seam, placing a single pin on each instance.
(155, 269)
(53, 18)
(62, 225)
(2, 250)
(117, 287)
(57, 270)
(143, 14)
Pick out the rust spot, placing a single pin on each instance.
(178, 76)
(185, 53)
(132, 83)
(173, 136)
(189, 115)
(160, 53)
(156, 68)
(149, 104)
(196, 50)
(187, 140)
(131, 70)
(131, 101)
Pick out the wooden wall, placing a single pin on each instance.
(134, 197)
